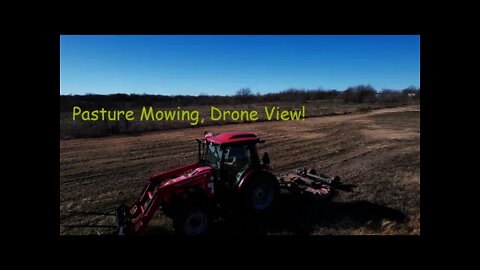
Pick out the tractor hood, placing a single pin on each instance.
(188, 176)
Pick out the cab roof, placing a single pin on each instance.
(232, 137)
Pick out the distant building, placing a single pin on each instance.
(411, 94)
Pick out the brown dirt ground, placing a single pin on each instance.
(378, 151)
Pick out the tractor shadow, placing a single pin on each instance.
(296, 215)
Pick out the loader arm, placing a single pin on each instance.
(135, 219)
(161, 176)
(165, 189)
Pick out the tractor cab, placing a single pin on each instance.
(232, 156)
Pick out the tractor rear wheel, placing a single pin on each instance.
(192, 221)
(260, 196)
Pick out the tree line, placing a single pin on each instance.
(356, 94)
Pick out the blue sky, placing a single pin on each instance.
(220, 65)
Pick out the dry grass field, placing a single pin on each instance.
(379, 151)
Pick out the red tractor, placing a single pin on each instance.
(228, 174)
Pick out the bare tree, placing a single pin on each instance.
(244, 92)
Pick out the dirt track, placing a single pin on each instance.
(379, 151)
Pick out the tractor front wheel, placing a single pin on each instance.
(192, 221)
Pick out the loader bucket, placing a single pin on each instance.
(122, 220)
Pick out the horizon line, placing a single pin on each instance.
(253, 92)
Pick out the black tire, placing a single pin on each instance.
(192, 221)
(261, 195)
